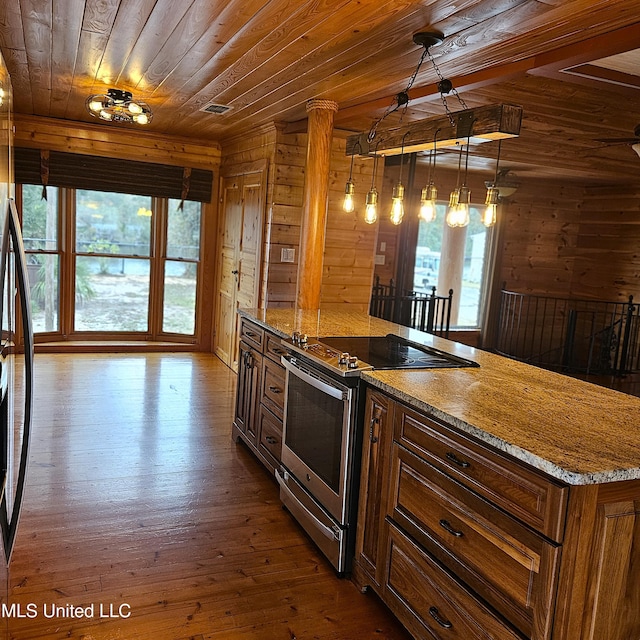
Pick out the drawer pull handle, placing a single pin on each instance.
(251, 334)
(452, 457)
(274, 389)
(443, 622)
(446, 525)
(271, 440)
(279, 352)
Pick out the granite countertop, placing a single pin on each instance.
(574, 431)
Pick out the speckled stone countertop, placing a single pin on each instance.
(574, 431)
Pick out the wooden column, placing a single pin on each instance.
(314, 211)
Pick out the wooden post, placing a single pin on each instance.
(314, 211)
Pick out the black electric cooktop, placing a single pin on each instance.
(394, 352)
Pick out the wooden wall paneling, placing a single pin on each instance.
(607, 264)
(540, 236)
(55, 135)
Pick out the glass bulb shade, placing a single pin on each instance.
(458, 212)
(371, 208)
(134, 108)
(489, 216)
(348, 204)
(105, 115)
(96, 105)
(141, 118)
(397, 204)
(428, 203)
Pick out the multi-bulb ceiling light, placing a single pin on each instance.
(458, 129)
(117, 105)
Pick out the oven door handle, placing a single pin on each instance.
(330, 390)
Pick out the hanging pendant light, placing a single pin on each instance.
(490, 213)
(458, 211)
(348, 204)
(397, 196)
(371, 206)
(429, 193)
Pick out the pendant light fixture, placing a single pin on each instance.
(459, 200)
(429, 193)
(397, 197)
(490, 213)
(348, 204)
(371, 206)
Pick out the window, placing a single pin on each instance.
(129, 255)
(42, 247)
(455, 259)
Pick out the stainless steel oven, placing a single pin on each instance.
(320, 439)
(322, 429)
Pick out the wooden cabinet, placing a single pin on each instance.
(463, 541)
(260, 393)
(377, 429)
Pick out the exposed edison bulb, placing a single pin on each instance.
(489, 215)
(458, 211)
(371, 208)
(397, 204)
(348, 204)
(428, 203)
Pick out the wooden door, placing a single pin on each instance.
(239, 256)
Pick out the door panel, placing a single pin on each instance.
(239, 255)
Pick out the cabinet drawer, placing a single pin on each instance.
(430, 602)
(270, 445)
(251, 333)
(273, 347)
(510, 566)
(530, 496)
(273, 380)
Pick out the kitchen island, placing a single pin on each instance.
(496, 502)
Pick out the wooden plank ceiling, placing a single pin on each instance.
(266, 58)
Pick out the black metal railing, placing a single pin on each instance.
(570, 335)
(424, 311)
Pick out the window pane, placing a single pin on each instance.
(42, 271)
(179, 312)
(183, 230)
(39, 218)
(112, 294)
(453, 259)
(117, 223)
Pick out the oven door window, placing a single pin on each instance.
(315, 429)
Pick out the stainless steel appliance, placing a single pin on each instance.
(322, 435)
(16, 356)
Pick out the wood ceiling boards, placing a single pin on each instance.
(266, 58)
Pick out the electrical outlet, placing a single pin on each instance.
(379, 259)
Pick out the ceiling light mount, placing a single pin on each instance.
(428, 39)
(117, 105)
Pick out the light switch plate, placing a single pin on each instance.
(287, 255)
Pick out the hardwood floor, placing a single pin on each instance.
(139, 502)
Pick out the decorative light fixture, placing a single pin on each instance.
(348, 204)
(371, 207)
(455, 129)
(397, 199)
(429, 193)
(117, 105)
(460, 198)
(490, 213)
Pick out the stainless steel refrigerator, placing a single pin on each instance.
(16, 344)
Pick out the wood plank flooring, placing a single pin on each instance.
(140, 508)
